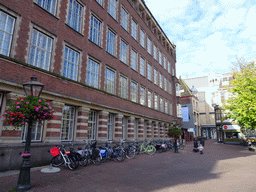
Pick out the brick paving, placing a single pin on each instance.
(221, 168)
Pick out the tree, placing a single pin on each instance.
(241, 107)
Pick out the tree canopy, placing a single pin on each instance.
(241, 107)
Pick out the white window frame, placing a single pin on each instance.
(142, 65)
(78, 26)
(134, 59)
(179, 114)
(149, 45)
(149, 72)
(156, 101)
(169, 67)
(165, 84)
(142, 95)
(36, 130)
(93, 73)
(166, 107)
(177, 89)
(40, 43)
(110, 126)
(92, 124)
(161, 80)
(160, 57)
(123, 86)
(155, 77)
(170, 108)
(124, 18)
(155, 52)
(134, 91)
(170, 87)
(111, 42)
(112, 8)
(134, 29)
(95, 32)
(75, 62)
(51, 8)
(142, 38)
(124, 51)
(161, 104)
(165, 64)
(150, 99)
(67, 123)
(110, 82)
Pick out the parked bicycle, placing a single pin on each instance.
(147, 148)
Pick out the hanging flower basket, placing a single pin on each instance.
(27, 108)
(174, 131)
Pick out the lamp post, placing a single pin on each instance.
(174, 122)
(32, 88)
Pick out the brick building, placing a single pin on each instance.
(108, 69)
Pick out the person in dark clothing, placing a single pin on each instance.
(195, 146)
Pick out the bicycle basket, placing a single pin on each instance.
(55, 151)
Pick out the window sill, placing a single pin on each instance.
(46, 11)
(111, 55)
(95, 44)
(124, 63)
(74, 30)
(112, 17)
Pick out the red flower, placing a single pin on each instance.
(35, 93)
(34, 106)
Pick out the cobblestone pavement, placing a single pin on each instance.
(221, 168)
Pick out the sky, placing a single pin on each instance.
(209, 34)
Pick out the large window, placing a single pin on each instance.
(166, 107)
(142, 66)
(165, 64)
(134, 28)
(49, 5)
(149, 71)
(70, 65)
(150, 99)
(92, 124)
(160, 80)
(165, 84)
(110, 81)
(124, 19)
(156, 102)
(179, 110)
(170, 87)
(134, 59)
(93, 73)
(142, 38)
(95, 30)
(169, 67)
(123, 87)
(134, 91)
(112, 8)
(149, 46)
(170, 108)
(36, 131)
(160, 58)
(110, 126)
(161, 104)
(177, 89)
(40, 50)
(155, 76)
(142, 96)
(67, 126)
(75, 15)
(124, 52)
(154, 52)
(111, 42)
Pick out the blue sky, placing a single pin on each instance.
(209, 34)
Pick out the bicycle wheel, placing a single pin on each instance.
(72, 164)
(57, 161)
(130, 154)
(83, 162)
(181, 147)
(98, 159)
(151, 150)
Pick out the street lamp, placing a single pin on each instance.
(32, 88)
(174, 122)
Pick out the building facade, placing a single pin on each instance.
(108, 69)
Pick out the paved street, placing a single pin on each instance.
(221, 168)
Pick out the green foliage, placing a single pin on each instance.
(174, 131)
(241, 107)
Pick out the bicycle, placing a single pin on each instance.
(180, 145)
(147, 148)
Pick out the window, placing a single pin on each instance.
(111, 42)
(160, 80)
(166, 107)
(142, 66)
(123, 87)
(177, 89)
(95, 31)
(142, 38)
(110, 81)
(92, 124)
(149, 72)
(170, 87)
(124, 127)
(173, 72)
(169, 67)
(150, 99)
(134, 28)
(112, 8)
(75, 15)
(165, 63)
(36, 131)
(124, 19)
(49, 5)
(161, 104)
(165, 84)
(134, 57)
(100, 2)
(67, 126)
(170, 108)
(156, 101)
(142, 96)
(149, 46)
(124, 52)
(179, 110)
(154, 52)
(160, 58)
(133, 92)
(70, 65)
(155, 76)
(110, 126)
(40, 50)
(93, 73)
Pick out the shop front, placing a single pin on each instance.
(232, 134)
